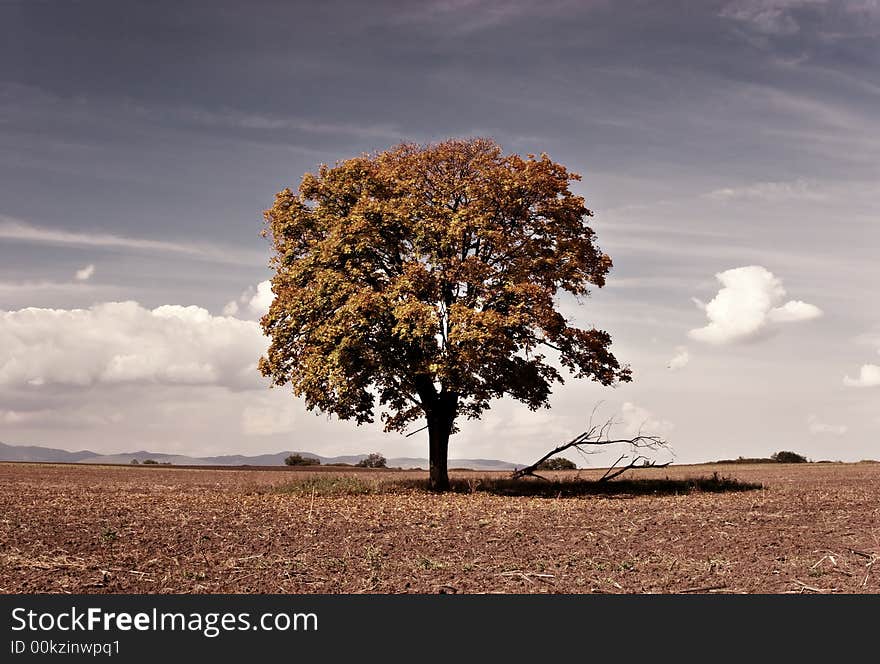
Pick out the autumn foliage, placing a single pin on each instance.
(421, 282)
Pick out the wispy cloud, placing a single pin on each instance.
(229, 117)
(817, 427)
(44, 285)
(14, 229)
(21, 231)
(800, 190)
(54, 418)
(812, 109)
(832, 19)
(473, 15)
(768, 17)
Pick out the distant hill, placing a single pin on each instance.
(31, 453)
(52, 455)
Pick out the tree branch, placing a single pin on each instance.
(599, 436)
(413, 433)
(646, 463)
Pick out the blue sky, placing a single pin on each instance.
(729, 150)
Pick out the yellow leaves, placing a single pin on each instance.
(415, 320)
(442, 258)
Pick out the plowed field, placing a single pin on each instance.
(101, 529)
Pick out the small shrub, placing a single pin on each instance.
(150, 462)
(300, 460)
(788, 457)
(134, 462)
(557, 463)
(374, 460)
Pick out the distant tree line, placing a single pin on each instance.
(373, 460)
(300, 460)
(782, 456)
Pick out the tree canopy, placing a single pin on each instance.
(422, 282)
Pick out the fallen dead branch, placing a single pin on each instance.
(600, 436)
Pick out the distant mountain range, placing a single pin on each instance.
(50, 455)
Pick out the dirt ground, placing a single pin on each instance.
(811, 528)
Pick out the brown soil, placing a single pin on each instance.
(102, 529)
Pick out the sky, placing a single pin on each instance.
(729, 149)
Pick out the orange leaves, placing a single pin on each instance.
(437, 263)
(414, 320)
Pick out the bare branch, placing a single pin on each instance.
(612, 467)
(597, 436)
(646, 463)
(574, 442)
(413, 433)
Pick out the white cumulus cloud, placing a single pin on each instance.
(680, 359)
(252, 303)
(84, 274)
(123, 342)
(869, 376)
(817, 427)
(748, 307)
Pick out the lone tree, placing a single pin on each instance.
(425, 278)
(789, 457)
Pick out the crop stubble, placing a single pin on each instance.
(101, 529)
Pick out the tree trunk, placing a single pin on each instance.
(440, 421)
(438, 449)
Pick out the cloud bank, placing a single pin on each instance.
(122, 342)
(749, 307)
